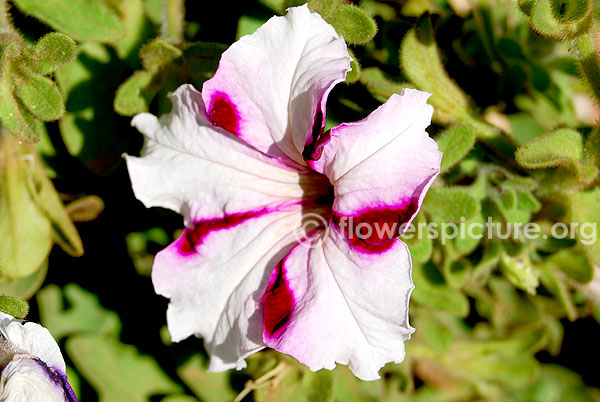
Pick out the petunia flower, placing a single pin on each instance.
(272, 253)
(32, 366)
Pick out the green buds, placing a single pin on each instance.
(27, 96)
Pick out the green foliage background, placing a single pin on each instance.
(515, 86)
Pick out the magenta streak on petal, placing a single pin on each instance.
(277, 302)
(223, 113)
(192, 237)
(373, 230)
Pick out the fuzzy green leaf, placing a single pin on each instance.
(40, 95)
(13, 306)
(451, 204)
(380, 86)
(131, 97)
(421, 63)
(14, 116)
(51, 52)
(84, 20)
(559, 147)
(157, 54)
(354, 24)
(455, 143)
(561, 19)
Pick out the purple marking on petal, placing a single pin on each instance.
(59, 379)
(192, 237)
(223, 113)
(373, 230)
(277, 302)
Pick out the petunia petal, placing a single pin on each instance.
(271, 87)
(31, 339)
(30, 379)
(215, 289)
(381, 167)
(326, 303)
(203, 172)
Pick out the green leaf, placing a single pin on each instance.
(450, 204)
(132, 97)
(157, 54)
(586, 52)
(179, 398)
(83, 314)
(562, 19)
(379, 85)
(559, 290)
(14, 116)
(554, 383)
(25, 230)
(437, 335)
(201, 58)
(24, 288)
(559, 147)
(40, 95)
(116, 370)
(319, 386)
(84, 20)
(47, 199)
(516, 206)
(455, 143)
(430, 290)
(572, 263)
(13, 306)
(354, 24)
(136, 30)
(210, 387)
(354, 74)
(90, 129)
(421, 63)
(247, 25)
(585, 211)
(51, 52)
(418, 240)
